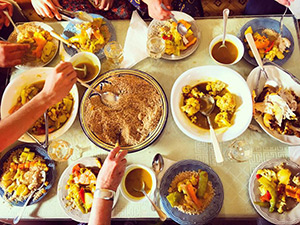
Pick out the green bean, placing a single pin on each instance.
(202, 185)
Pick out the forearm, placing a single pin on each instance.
(15, 125)
(101, 212)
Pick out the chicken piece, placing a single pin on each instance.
(191, 107)
(226, 103)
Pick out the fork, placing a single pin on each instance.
(281, 21)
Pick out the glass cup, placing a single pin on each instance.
(239, 150)
(114, 53)
(155, 47)
(60, 150)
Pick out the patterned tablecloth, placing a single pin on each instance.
(173, 144)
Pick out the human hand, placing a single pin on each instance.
(156, 11)
(285, 2)
(11, 54)
(59, 83)
(104, 4)
(5, 5)
(47, 8)
(112, 170)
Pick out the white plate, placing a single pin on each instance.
(236, 85)
(13, 91)
(76, 214)
(179, 15)
(285, 81)
(289, 217)
(13, 38)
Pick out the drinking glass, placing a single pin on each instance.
(60, 150)
(155, 47)
(239, 150)
(114, 53)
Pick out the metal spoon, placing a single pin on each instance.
(17, 218)
(160, 213)
(180, 27)
(210, 105)
(157, 166)
(281, 22)
(225, 18)
(11, 20)
(82, 69)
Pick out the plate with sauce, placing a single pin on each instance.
(132, 180)
(258, 25)
(229, 54)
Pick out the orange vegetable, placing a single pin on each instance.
(192, 194)
(191, 42)
(13, 166)
(185, 23)
(262, 42)
(41, 42)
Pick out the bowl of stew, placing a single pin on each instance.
(24, 87)
(135, 175)
(230, 54)
(228, 122)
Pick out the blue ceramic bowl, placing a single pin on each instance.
(70, 30)
(266, 23)
(213, 208)
(50, 175)
(152, 137)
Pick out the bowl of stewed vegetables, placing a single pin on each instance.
(27, 85)
(232, 113)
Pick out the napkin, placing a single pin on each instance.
(294, 154)
(135, 49)
(295, 9)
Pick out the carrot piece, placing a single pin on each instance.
(193, 196)
(191, 42)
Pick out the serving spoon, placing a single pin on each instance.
(210, 105)
(157, 166)
(11, 20)
(180, 27)
(17, 218)
(225, 18)
(160, 213)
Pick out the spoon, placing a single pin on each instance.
(157, 166)
(180, 27)
(11, 20)
(17, 218)
(160, 213)
(281, 22)
(82, 69)
(210, 105)
(107, 98)
(225, 18)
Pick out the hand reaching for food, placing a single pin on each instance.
(104, 4)
(5, 5)
(112, 170)
(59, 83)
(156, 11)
(285, 2)
(47, 8)
(11, 54)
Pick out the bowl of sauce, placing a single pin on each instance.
(90, 62)
(133, 179)
(229, 55)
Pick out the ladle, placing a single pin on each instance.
(82, 69)
(157, 166)
(210, 105)
(11, 20)
(160, 213)
(107, 98)
(180, 27)
(225, 18)
(17, 218)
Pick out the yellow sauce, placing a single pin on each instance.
(134, 179)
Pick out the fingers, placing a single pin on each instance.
(52, 9)
(114, 152)
(15, 48)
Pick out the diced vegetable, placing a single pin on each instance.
(203, 180)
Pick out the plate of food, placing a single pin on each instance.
(191, 192)
(76, 187)
(276, 108)
(137, 117)
(274, 191)
(175, 47)
(24, 169)
(43, 47)
(23, 88)
(89, 36)
(233, 111)
(270, 45)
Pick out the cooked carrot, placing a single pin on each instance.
(193, 196)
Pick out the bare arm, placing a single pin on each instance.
(156, 11)
(47, 8)
(57, 86)
(11, 54)
(109, 177)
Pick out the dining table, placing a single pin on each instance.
(172, 144)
